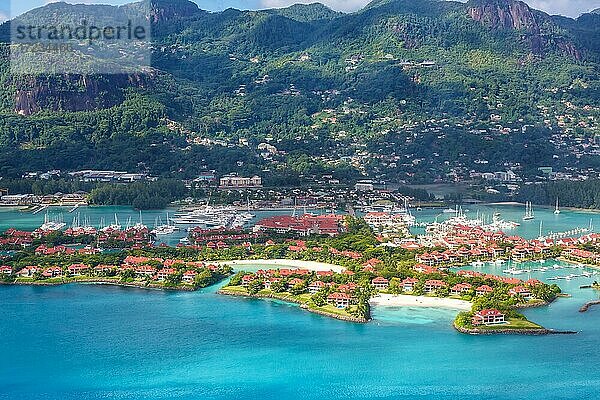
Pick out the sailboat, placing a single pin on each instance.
(160, 229)
(528, 212)
(556, 209)
(114, 227)
(140, 225)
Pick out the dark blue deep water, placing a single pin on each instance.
(102, 342)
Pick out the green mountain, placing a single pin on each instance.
(424, 85)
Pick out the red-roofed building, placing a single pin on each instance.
(270, 281)
(380, 283)
(340, 300)
(434, 284)
(484, 290)
(315, 286)
(189, 276)
(522, 291)
(408, 284)
(78, 269)
(304, 225)
(488, 317)
(164, 273)
(6, 270)
(460, 288)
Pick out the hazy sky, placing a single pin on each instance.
(571, 8)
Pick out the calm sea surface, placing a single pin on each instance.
(101, 342)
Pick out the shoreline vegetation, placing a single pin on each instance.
(104, 281)
(303, 302)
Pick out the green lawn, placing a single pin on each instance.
(328, 308)
(513, 324)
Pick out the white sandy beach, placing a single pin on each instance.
(403, 300)
(279, 263)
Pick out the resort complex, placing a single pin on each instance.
(338, 266)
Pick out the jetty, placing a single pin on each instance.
(39, 209)
(587, 305)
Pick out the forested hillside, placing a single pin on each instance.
(412, 91)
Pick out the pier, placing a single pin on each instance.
(39, 209)
(587, 305)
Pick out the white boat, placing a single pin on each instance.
(52, 225)
(528, 212)
(451, 211)
(556, 209)
(209, 216)
(164, 229)
(112, 228)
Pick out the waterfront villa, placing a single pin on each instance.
(78, 269)
(483, 290)
(434, 284)
(488, 317)
(246, 279)
(380, 283)
(408, 284)
(144, 271)
(28, 272)
(460, 288)
(189, 276)
(52, 272)
(348, 287)
(270, 281)
(293, 282)
(522, 291)
(6, 270)
(165, 273)
(315, 286)
(340, 300)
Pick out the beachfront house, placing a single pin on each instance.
(408, 284)
(339, 300)
(460, 288)
(27, 272)
(189, 276)
(293, 282)
(433, 284)
(483, 290)
(488, 317)
(78, 269)
(6, 270)
(246, 279)
(164, 273)
(144, 271)
(315, 286)
(52, 272)
(380, 283)
(269, 282)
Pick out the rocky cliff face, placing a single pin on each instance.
(504, 14)
(72, 92)
(516, 15)
(168, 10)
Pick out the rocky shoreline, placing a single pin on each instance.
(509, 331)
(102, 281)
(587, 305)
(292, 300)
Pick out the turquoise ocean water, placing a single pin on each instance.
(100, 342)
